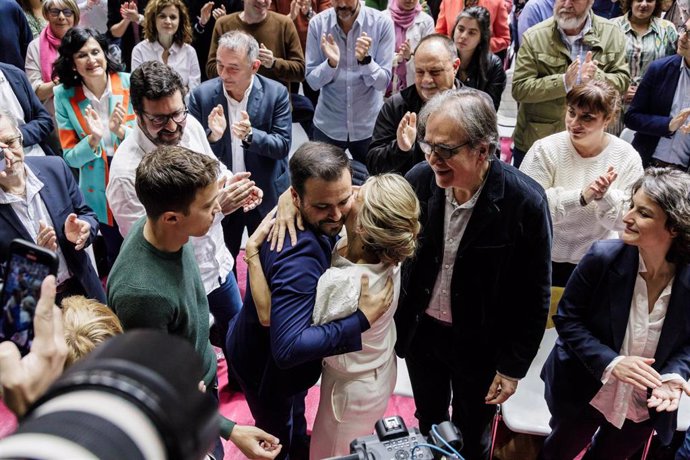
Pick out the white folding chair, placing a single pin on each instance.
(526, 411)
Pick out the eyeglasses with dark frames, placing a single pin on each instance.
(444, 152)
(55, 12)
(160, 121)
(14, 142)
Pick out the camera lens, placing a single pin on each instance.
(136, 397)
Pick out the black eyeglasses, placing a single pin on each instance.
(13, 143)
(161, 120)
(55, 12)
(444, 152)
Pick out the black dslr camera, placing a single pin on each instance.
(393, 441)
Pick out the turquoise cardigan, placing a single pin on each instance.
(70, 105)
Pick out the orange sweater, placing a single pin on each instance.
(500, 31)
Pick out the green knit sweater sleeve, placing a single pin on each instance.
(226, 426)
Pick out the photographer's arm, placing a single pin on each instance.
(25, 379)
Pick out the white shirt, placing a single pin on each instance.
(12, 105)
(31, 209)
(181, 58)
(210, 251)
(234, 109)
(337, 296)
(32, 66)
(617, 400)
(94, 17)
(102, 106)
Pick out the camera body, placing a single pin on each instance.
(394, 441)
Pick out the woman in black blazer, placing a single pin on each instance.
(623, 351)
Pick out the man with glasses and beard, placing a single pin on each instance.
(574, 46)
(157, 96)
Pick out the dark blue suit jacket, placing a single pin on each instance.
(500, 288)
(285, 358)
(591, 321)
(39, 123)
(266, 158)
(649, 112)
(15, 34)
(61, 197)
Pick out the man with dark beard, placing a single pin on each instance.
(276, 365)
(573, 46)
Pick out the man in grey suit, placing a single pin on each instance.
(249, 126)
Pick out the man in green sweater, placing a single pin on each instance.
(155, 281)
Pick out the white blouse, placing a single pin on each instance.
(617, 400)
(181, 58)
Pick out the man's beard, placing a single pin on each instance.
(347, 13)
(157, 140)
(569, 22)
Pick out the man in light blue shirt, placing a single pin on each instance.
(349, 58)
(534, 12)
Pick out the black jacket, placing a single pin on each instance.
(500, 288)
(384, 155)
(495, 80)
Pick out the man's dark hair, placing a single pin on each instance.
(317, 160)
(153, 80)
(169, 177)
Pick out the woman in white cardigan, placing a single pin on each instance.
(587, 174)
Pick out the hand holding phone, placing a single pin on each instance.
(28, 265)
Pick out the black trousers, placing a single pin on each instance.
(439, 379)
(570, 435)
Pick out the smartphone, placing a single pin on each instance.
(27, 266)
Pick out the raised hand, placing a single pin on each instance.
(294, 9)
(130, 12)
(205, 13)
(330, 49)
(77, 231)
(598, 188)
(256, 196)
(571, 73)
(115, 122)
(219, 12)
(362, 46)
(266, 57)
(217, 123)
(234, 193)
(242, 127)
(93, 123)
(46, 237)
(407, 131)
(588, 69)
(405, 50)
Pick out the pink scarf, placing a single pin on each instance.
(48, 52)
(402, 20)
